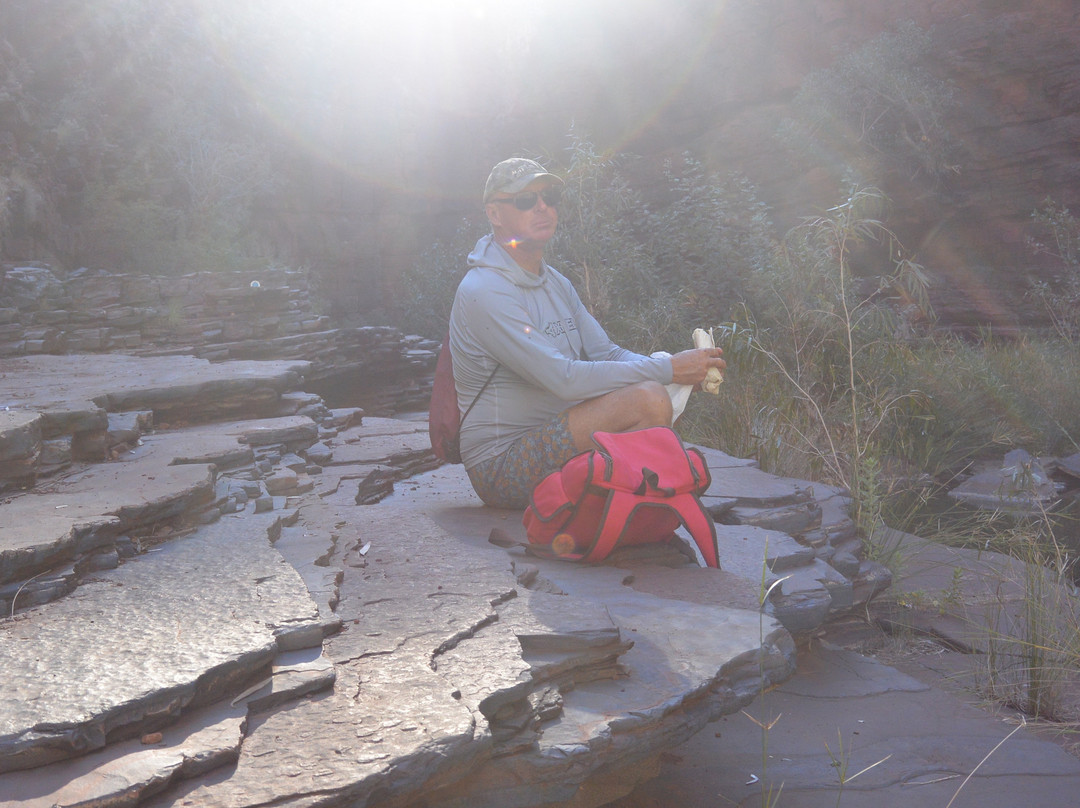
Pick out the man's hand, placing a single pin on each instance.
(690, 367)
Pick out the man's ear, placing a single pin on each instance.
(492, 211)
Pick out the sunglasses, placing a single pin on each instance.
(526, 200)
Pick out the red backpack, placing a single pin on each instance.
(636, 489)
(444, 422)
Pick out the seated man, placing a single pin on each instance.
(536, 368)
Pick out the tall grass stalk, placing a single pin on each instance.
(770, 796)
(841, 761)
(1034, 647)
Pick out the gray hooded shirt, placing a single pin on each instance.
(550, 352)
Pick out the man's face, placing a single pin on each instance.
(531, 228)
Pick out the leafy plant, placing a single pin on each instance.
(834, 339)
(426, 294)
(711, 234)
(594, 244)
(1060, 299)
(879, 109)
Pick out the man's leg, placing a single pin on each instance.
(635, 407)
(507, 480)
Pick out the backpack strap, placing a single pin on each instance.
(483, 387)
(618, 510)
(700, 524)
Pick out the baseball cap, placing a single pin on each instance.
(513, 175)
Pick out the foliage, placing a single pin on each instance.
(995, 395)
(879, 109)
(837, 340)
(428, 286)
(1061, 300)
(711, 235)
(652, 276)
(139, 162)
(596, 248)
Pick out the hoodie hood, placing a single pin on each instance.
(489, 253)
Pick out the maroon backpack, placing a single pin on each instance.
(444, 422)
(636, 489)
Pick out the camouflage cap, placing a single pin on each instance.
(513, 175)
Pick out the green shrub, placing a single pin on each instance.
(877, 110)
(997, 395)
(1061, 297)
(426, 294)
(833, 340)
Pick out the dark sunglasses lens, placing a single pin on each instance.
(525, 201)
(551, 196)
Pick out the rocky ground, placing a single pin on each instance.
(216, 590)
(303, 609)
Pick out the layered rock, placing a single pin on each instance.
(222, 316)
(218, 593)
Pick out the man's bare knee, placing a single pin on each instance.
(635, 407)
(653, 404)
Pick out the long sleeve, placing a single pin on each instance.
(546, 354)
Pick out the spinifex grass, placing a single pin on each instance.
(1033, 646)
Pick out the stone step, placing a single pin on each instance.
(794, 518)
(369, 458)
(64, 409)
(754, 488)
(745, 548)
(199, 742)
(52, 536)
(191, 622)
(804, 589)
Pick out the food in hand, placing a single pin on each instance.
(713, 378)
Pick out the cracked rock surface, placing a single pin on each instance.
(298, 606)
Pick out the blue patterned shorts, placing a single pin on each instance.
(507, 481)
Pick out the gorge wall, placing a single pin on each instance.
(366, 156)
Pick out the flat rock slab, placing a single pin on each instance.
(927, 742)
(691, 662)
(796, 519)
(458, 685)
(73, 387)
(976, 600)
(46, 526)
(722, 460)
(124, 771)
(191, 621)
(1070, 465)
(745, 548)
(380, 440)
(754, 487)
(164, 477)
(220, 443)
(1020, 485)
(20, 440)
(397, 716)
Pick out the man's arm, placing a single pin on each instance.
(499, 324)
(687, 367)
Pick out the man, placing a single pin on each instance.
(537, 370)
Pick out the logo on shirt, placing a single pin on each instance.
(556, 328)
